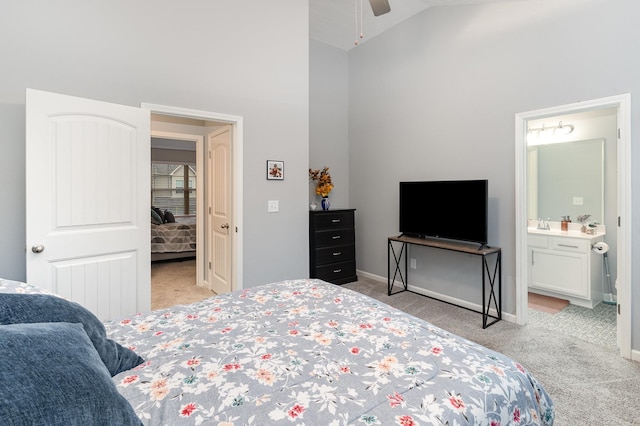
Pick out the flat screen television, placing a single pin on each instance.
(452, 209)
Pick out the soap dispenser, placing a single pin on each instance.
(564, 223)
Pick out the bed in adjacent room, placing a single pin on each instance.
(173, 240)
(309, 352)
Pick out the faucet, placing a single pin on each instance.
(544, 224)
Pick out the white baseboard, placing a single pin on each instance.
(635, 355)
(371, 276)
(442, 297)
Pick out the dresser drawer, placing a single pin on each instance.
(537, 241)
(334, 237)
(332, 246)
(334, 220)
(338, 273)
(335, 254)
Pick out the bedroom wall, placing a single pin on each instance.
(204, 55)
(329, 120)
(436, 96)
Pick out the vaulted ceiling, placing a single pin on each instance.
(333, 22)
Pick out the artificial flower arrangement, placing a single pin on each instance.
(323, 179)
(583, 218)
(587, 227)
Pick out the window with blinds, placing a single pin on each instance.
(168, 190)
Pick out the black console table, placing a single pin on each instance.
(494, 279)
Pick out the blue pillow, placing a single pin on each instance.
(39, 308)
(50, 374)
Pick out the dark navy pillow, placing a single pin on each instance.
(159, 213)
(50, 374)
(40, 308)
(169, 217)
(155, 217)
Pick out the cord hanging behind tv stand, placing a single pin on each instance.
(493, 278)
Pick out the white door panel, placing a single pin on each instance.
(219, 148)
(88, 202)
(98, 283)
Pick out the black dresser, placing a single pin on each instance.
(332, 245)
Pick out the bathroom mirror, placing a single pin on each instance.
(566, 179)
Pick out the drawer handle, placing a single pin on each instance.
(335, 271)
(336, 220)
(567, 245)
(337, 253)
(336, 237)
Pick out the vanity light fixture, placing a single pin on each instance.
(545, 134)
(560, 129)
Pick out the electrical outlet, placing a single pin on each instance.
(273, 206)
(578, 201)
(413, 263)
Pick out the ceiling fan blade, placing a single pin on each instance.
(380, 7)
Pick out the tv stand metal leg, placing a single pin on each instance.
(404, 279)
(493, 301)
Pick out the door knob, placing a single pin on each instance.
(224, 226)
(37, 248)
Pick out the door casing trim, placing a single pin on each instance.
(236, 123)
(624, 278)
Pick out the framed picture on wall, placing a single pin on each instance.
(275, 170)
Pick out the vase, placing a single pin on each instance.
(325, 203)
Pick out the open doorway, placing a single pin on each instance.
(572, 175)
(618, 210)
(122, 204)
(181, 144)
(175, 184)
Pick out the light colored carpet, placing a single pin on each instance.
(589, 383)
(174, 283)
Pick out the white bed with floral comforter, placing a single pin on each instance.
(301, 352)
(306, 352)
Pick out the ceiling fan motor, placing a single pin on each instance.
(380, 7)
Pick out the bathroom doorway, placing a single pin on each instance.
(617, 200)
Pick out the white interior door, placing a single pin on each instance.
(219, 171)
(88, 202)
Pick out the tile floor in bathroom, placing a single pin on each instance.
(597, 325)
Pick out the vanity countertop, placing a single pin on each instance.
(558, 233)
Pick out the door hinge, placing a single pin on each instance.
(618, 309)
(618, 221)
(209, 209)
(209, 265)
(618, 133)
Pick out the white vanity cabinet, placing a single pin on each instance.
(565, 267)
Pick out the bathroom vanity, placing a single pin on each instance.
(562, 264)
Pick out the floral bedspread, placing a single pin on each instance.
(305, 352)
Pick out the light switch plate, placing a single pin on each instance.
(273, 206)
